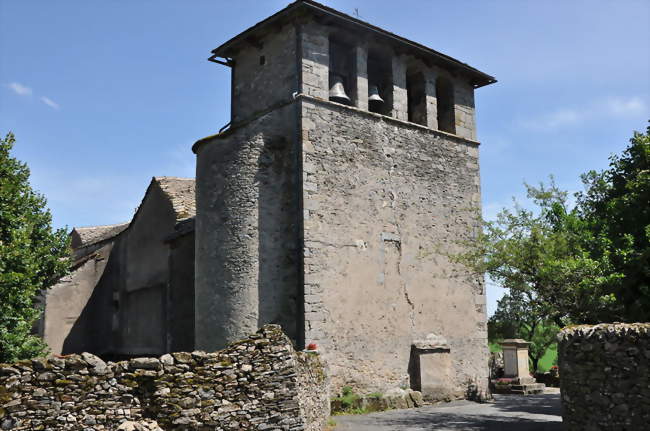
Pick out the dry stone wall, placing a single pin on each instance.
(259, 383)
(605, 376)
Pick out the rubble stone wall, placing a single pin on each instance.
(247, 231)
(605, 376)
(258, 383)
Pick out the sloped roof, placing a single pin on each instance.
(181, 194)
(225, 50)
(179, 191)
(85, 236)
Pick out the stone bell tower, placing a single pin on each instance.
(329, 203)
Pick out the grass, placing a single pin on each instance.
(494, 347)
(548, 360)
(351, 403)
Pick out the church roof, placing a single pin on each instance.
(227, 49)
(181, 194)
(85, 236)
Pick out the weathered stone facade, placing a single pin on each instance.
(247, 247)
(331, 220)
(605, 376)
(384, 200)
(258, 383)
(335, 220)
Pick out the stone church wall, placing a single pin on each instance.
(605, 376)
(247, 230)
(384, 201)
(257, 383)
(65, 325)
(264, 72)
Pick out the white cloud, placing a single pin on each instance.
(599, 109)
(20, 89)
(49, 102)
(23, 90)
(563, 117)
(632, 106)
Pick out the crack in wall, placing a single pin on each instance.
(398, 244)
(329, 244)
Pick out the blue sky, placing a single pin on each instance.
(104, 95)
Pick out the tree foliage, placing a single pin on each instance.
(616, 206)
(544, 254)
(32, 256)
(585, 264)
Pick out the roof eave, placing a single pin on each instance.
(478, 78)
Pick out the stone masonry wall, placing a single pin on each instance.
(259, 383)
(605, 376)
(264, 73)
(247, 231)
(384, 201)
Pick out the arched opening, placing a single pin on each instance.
(445, 99)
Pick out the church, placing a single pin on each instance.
(329, 204)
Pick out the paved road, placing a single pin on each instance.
(507, 413)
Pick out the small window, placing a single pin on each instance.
(416, 96)
(445, 99)
(262, 60)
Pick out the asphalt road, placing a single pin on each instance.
(507, 413)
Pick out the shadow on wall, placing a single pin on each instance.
(415, 376)
(91, 331)
(279, 299)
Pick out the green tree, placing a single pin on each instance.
(32, 256)
(586, 264)
(616, 207)
(544, 255)
(518, 315)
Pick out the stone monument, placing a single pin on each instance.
(515, 367)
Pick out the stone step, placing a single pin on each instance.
(531, 388)
(531, 392)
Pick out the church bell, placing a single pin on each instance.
(373, 95)
(337, 91)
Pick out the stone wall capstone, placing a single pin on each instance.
(259, 383)
(605, 376)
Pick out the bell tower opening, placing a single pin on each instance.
(380, 80)
(415, 93)
(445, 98)
(342, 76)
